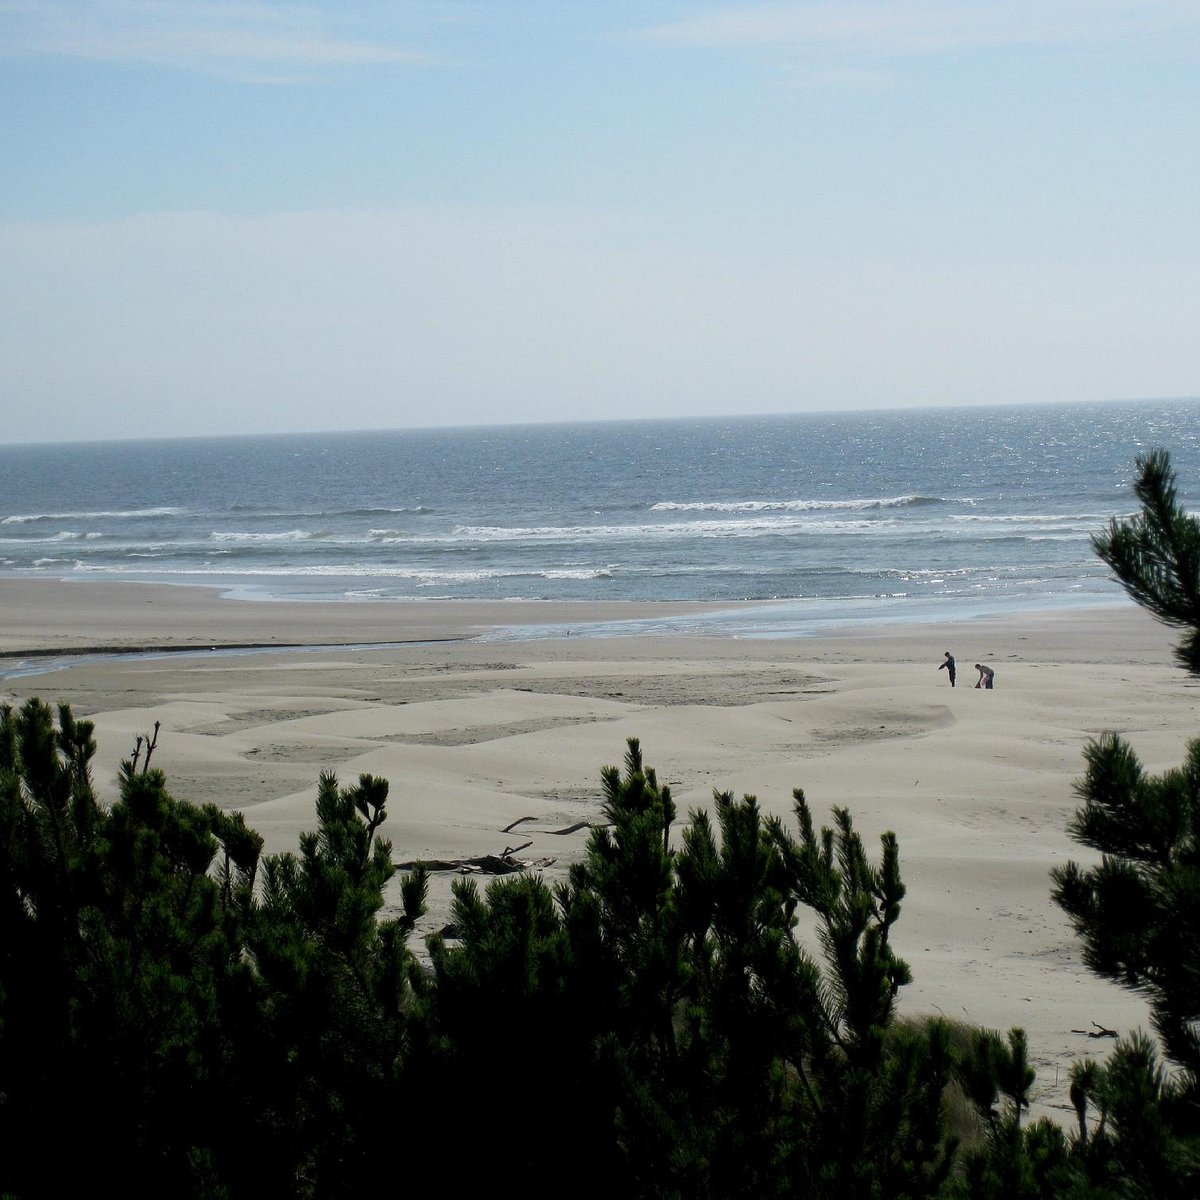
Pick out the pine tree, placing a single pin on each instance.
(1156, 554)
(118, 951)
(699, 1049)
(162, 1031)
(1137, 912)
(871, 1089)
(339, 983)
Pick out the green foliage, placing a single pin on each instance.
(1156, 554)
(164, 1032)
(1015, 1162)
(337, 982)
(1137, 911)
(704, 1051)
(116, 961)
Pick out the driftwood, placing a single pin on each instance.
(144, 739)
(1098, 1032)
(552, 832)
(503, 863)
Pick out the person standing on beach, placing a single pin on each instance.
(948, 667)
(986, 675)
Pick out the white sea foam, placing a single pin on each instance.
(755, 506)
(91, 514)
(761, 525)
(248, 538)
(1080, 520)
(418, 575)
(64, 535)
(750, 527)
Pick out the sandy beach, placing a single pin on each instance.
(494, 746)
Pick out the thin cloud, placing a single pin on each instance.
(897, 27)
(370, 318)
(224, 37)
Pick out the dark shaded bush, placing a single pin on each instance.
(163, 1030)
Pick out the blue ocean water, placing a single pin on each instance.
(877, 516)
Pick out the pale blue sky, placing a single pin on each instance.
(249, 217)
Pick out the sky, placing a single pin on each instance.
(247, 217)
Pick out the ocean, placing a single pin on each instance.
(867, 517)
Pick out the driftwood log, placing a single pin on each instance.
(552, 832)
(503, 863)
(1098, 1032)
